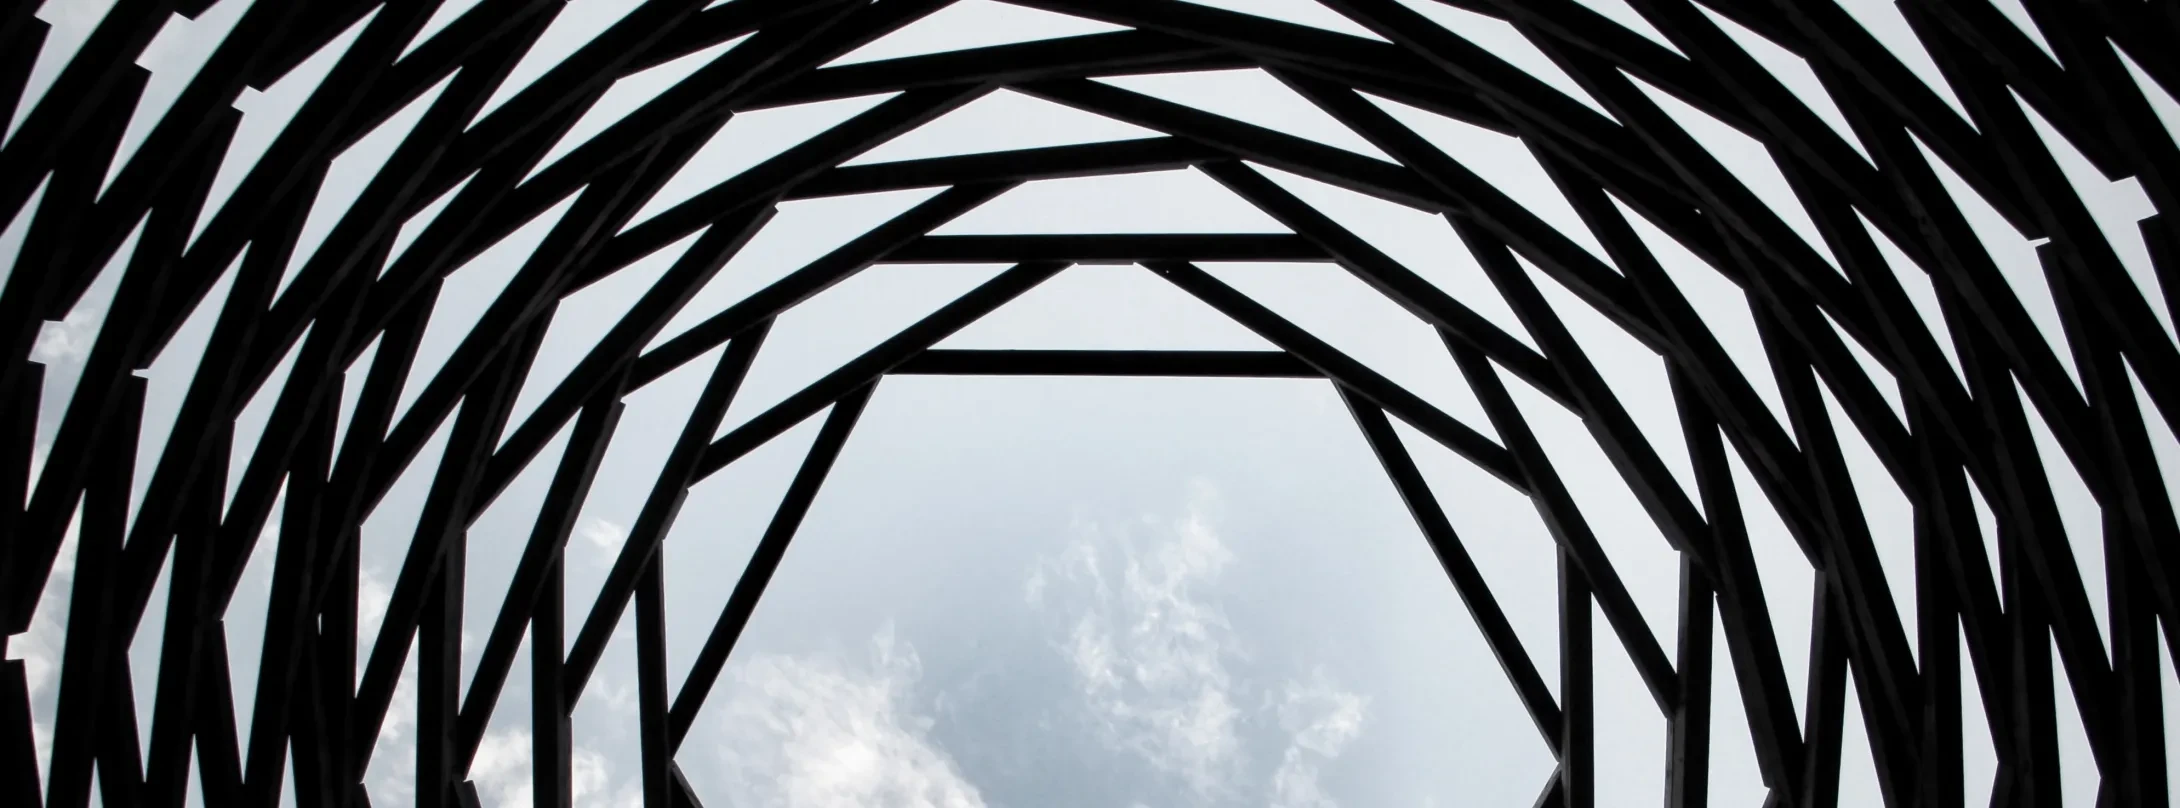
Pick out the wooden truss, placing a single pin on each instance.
(1952, 428)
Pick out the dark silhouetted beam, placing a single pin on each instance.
(1207, 364)
(1127, 248)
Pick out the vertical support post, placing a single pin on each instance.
(439, 681)
(550, 754)
(1688, 753)
(1578, 718)
(651, 698)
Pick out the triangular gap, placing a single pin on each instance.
(1506, 163)
(1002, 120)
(245, 618)
(1794, 72)
(352, 381)
(1620, 12)
(1178, 201)
(441, 17)
(173, 57)
(581, 320)
(11, 238)
(1922, 294)
(391, 776)
(972, 24)
(1885, 24)
(251, 420)
(413, 228)
(2117, 206)
(168, 379)
(2019, 15)
(1978, 743)
(577, 23)
(2161, 102)
(2015, 256)
(627, 95)
(72, 22)
(1746, 160)
(1631, 737)
(466, 294)
(828, 330)
(711, 542)
(501, 768)
(748, 139)
(606, 758)
(1251, 96)
(1790, 582)
(1636, 375)
(649, 424)
(1341, 310)
(1886, 511)
(1106, 307)
(346, 178)
(1736, 778)
(1857, 763)
(1986, 524)
(1637, 551)
(1887, 384)
(800, 233)
(1503, 533)
(1503, 40)
(64, 345)
(144, 649)
(2163, 444)
(384, 536)
(2079, 778)
(287, 784)
(266, 113)
(2170, 684)
(41, 646)
(96, 798)
(1419, 240)
(193, 790)
(1300, 12)
(1722, 305)
(497, 540)
(2079, 515)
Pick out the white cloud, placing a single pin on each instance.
(502, 768)
(1295, 784)
(40, 646)
(604, 538)
(807, 732)
(391, 779)
(603, 534)
(372, 595)
(502, 774)
(69, 339)
(1320, 719)
(1034, 589)
(1151, 658)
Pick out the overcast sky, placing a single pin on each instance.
(1086, 592)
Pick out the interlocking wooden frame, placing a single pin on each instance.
(1957, 427)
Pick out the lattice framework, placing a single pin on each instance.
(1957, 427)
